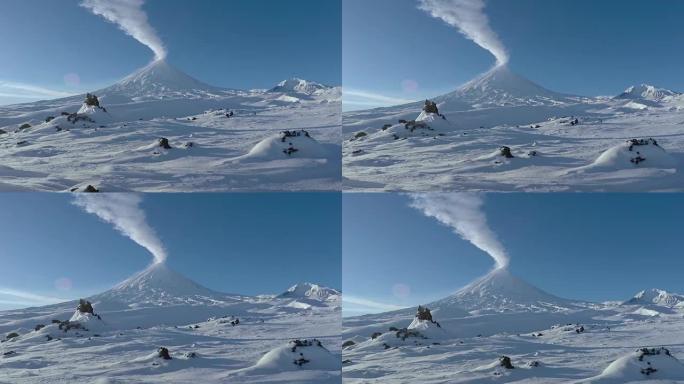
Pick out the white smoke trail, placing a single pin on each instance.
(130, 17)
(123, 211)
(469, 17)
(463, 213)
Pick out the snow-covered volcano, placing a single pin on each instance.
(500, 87)
(158, 285)
(500, 291)
(158, 80)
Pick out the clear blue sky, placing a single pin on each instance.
(237, 44)
(581, 246)
(583, 47)
(236, 243)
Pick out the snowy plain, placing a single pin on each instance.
(558, 142)
(63, 144)
(157, 308)
(548, 339)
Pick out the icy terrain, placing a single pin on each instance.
(210, 337)
(477, 334)
(557, 142)
(216, 139)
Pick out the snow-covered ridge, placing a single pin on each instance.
(655, 297)
(646, 92)
(310, 291)
(296, 85)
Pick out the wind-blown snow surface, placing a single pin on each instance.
(551, 153)
(160, 308)
(116, 148)
(549, 339)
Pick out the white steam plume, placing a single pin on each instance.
(130, 17)
(469, 17)
(122, 210)
(463, 213)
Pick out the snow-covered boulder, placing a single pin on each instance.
(644, 364)
(287, 144)
(299, 354)
(635, 153)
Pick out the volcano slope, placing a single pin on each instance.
(546, 339)
(66, 144)
(211, 337)
(558, 142)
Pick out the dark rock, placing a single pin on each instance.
(359, 135)
(55, 321)
(506, 152)
(423, 313)
(346, 361)
(164, 143)
(11, 335)
(85, 306)
(376, 335)
(39, 327)
(2, 132)
(386, 126)
(9, 354)
(505, 362)
(191, 355)
(163, 353)
(91, 189)
(92, 100)
(402, 121)
(49, 119)
(431, 107)
(393, 329)
(348, 343)
(65, 113)
(25, 126)
(534, 363)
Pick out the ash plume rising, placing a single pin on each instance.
(123, 211)
(469, 17)
(130, 17)
(463, 213)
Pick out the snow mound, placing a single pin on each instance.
(298, 355)
(287, 144)
(657, 297)
(427, 328)
(636, 153)
(89, 321)
(95, 113)
(301, 86)
(311, 291)
(499, 291)
(645, 364)
(646, 92)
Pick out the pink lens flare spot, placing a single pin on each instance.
(401, 291)
(64, 284)
(72, 80)
(409, 85)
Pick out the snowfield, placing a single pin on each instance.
(558, 142)
(500, 319)
(210, 337)
(64, 144)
